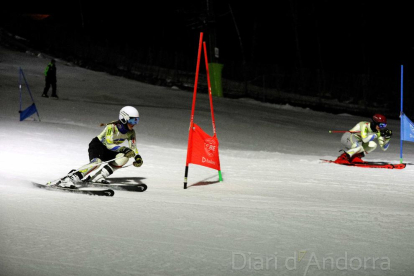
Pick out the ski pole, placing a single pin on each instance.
(92, 164)
(102, 163)
(126, 166)
(343, 131)
(123, 167)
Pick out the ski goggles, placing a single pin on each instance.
(133, 120)
(382, 125)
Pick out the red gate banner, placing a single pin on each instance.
(204, 149)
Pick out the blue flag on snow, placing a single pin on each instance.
(28, 112)
(407, 129)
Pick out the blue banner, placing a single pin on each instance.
(32, 108)
(407, 129)
(28, 112)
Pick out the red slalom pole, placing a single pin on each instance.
(343, 131)
(213, 121)
(209, 89)
(190, 135)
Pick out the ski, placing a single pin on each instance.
(125, 187)
(377, 165)
(79, 190)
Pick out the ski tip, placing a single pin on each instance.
(143, 187)
(366, 164)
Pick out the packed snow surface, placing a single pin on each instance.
(279, 210)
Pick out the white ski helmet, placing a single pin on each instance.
(129, 114)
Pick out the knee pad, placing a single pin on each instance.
(119, 162)
(370, 146)
(96, 160)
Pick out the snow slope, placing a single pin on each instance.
(279, 210)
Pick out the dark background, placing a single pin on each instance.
(328, 55)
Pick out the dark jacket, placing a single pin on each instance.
(50, 72)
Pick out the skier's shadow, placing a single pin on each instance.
(127, 180)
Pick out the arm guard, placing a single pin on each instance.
(384, 143)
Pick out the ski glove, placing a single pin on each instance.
(386, 133)
(138, 161)
(127, 152)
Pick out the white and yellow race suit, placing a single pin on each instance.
(111, 137)
(362, 141)
(107, 146)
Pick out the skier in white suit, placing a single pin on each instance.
(359, 141)
(107, 146)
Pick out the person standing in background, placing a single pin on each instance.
(50, 79)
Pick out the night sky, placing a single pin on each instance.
(353, 36)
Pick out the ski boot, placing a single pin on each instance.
(357, 158)
(74, 177)
(344, 158)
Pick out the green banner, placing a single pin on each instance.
(215, 79)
